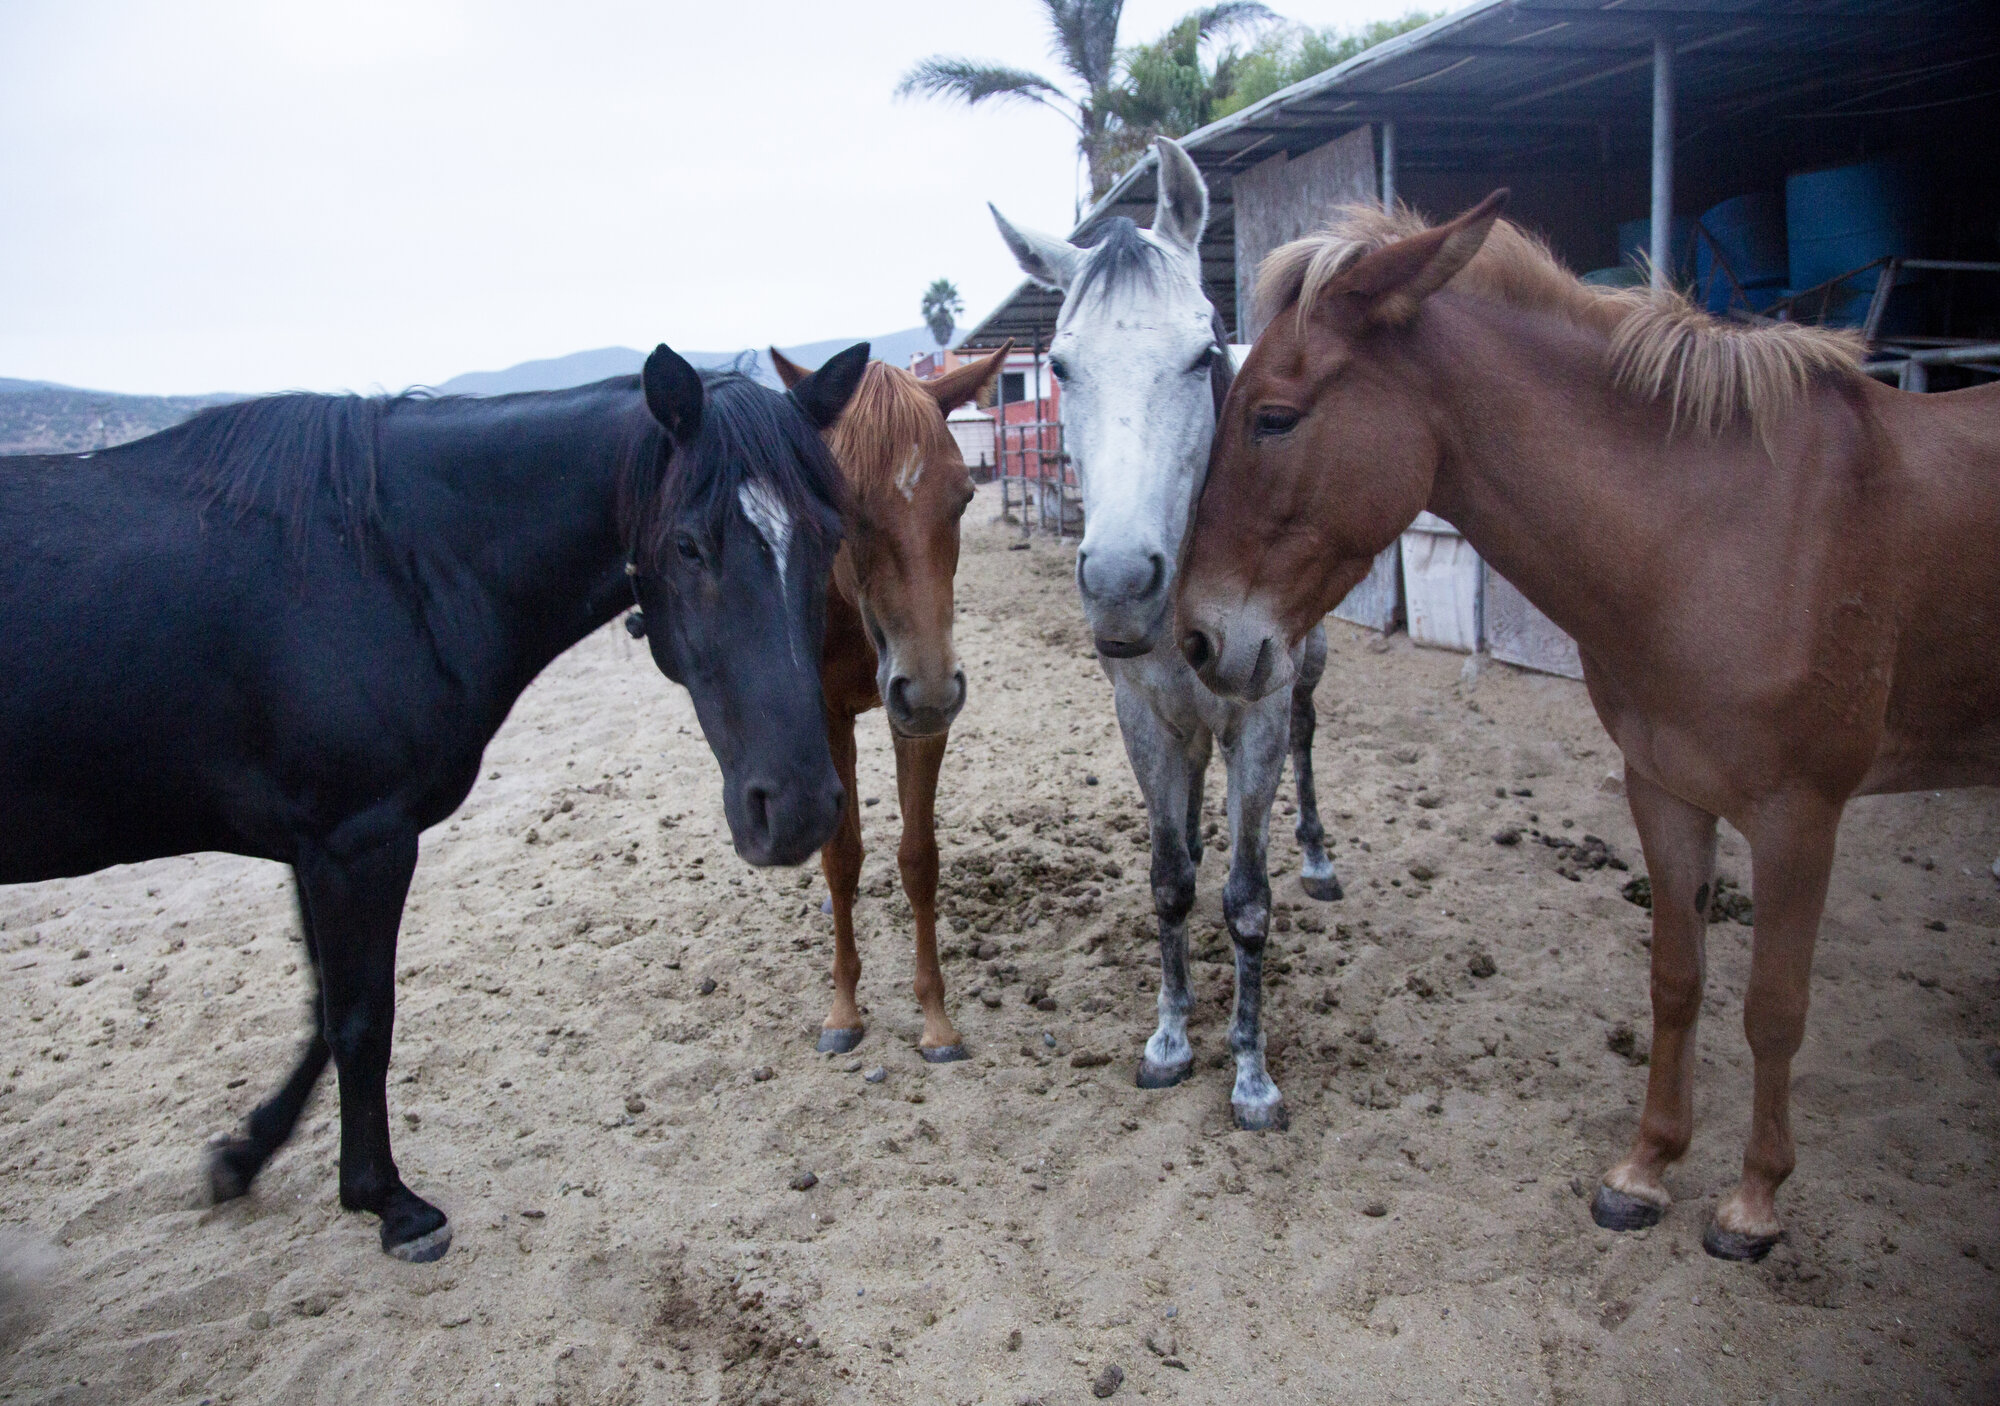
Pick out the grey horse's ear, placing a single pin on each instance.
(1050, 261)
(1181, 211)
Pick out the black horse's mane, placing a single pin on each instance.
(748, 432)
(298, 454)
(286, 454)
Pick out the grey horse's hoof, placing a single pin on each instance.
(943, 1054)
(840, 1041)
(421, 1250)
(226, 1180)
(1614, 1210)
(1164, 1076)
(1264, 1118)
(1728, 1245)
(1325, 890)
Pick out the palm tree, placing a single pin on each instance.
(942, 305)
(1085, 34)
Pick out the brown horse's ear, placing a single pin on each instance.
(1389, 285)
(962, 383)
(789, 371)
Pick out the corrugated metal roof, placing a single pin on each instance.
(1522, 84)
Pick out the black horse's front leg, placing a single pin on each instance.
(355, 899)
(235, 1163)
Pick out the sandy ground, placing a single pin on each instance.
(617, 1149)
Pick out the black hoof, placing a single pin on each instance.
(1614, 1210)
(1271, 1118)
(1728, 1245)
(232, 1166)
(943, 1054)
(423, 1249)
(413, 1230)
(840, 1041)
(1164, 1076)
(1326, 890)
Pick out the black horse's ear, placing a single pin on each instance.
(673, 393)
(825, 393)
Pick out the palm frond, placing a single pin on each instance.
(972, 82)
(1212, 20)
(1086, 37)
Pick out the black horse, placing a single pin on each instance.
(289, 627)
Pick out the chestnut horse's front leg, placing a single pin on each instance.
(918, 761)
(1791, 856)
(840, 860)
(1679, 843)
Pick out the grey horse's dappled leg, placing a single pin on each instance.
(1197, 783)
(1255, 760)
(1166, 776)
(1316, 874)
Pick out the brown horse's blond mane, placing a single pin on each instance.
(891, 414)
(1661, 347)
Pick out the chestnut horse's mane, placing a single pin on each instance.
(890, 411)
(1661, 347)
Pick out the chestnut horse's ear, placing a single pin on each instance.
(789, 371)
(962, 383)
(1390, 284)
(673, 393)
(825, 393)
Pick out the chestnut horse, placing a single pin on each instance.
(888, 645)
(1782, 577)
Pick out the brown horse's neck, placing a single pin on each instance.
(1568, 486)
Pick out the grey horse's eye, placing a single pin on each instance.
(1209, 356)
(1058, 368)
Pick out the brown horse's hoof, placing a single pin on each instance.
(840, 1041)
(1164, 1076)
(1326, 890)
(1614, 1210)
(1729, 1245)
(944, 1054)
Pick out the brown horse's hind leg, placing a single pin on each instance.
(840, 860)
(918, 760)
(1791, 848)
(1679, 842)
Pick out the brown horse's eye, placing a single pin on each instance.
(1275, 420)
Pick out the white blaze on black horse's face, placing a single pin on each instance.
(1136, 350)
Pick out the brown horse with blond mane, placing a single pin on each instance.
(888, 645)
(1783, 577)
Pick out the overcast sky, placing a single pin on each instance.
(231, 195)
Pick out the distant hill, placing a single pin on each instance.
(41, 417)
(581, 368)
(38, 417)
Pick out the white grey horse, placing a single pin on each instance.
(1143, 362)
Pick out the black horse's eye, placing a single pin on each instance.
(1058, 368)
(689, 549)
(1275, 420)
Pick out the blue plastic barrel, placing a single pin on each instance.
(1842, 218)
(1749, 232)
(1635, 240)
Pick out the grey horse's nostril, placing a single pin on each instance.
(1197, 649)
(1159, 577)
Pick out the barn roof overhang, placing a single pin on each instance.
(1519, 85)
